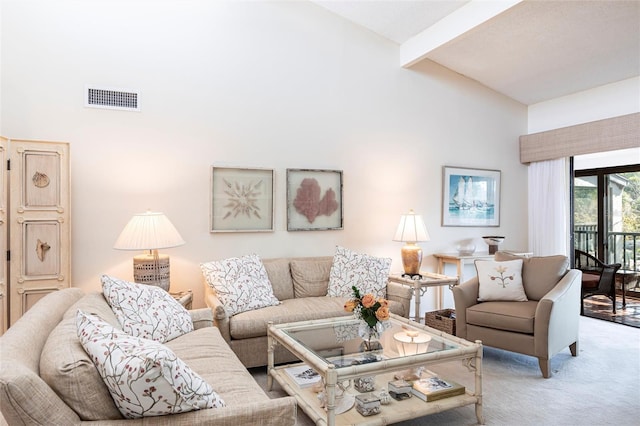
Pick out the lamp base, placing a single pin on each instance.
(411, 258)
(152, 270)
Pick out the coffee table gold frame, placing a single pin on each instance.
(469, 353)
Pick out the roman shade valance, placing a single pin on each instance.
(597, 136)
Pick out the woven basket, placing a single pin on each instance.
(443, 320)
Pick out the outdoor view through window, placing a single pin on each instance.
(606, 204)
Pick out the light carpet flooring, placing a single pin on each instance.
(599, 387)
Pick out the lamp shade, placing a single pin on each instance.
(148, 231)
(411, 229)
(411, 342)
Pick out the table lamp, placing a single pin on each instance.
(411, 230)
(149, 231)
(411, 342)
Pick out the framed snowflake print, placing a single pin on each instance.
(314, 200)
(241, 199)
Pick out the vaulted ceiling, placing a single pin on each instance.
(531, 50)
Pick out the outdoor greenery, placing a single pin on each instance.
(586, 204)
(631, 203)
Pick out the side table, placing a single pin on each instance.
(621, 276)
(185, 298)
(460, 261)
(420, 286)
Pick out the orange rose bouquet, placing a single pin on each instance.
(373, 311)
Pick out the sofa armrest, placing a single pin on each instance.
(465, 295)
(272, 412)
(557, 316)
(201, 318)
(401, 294)
(220, 317)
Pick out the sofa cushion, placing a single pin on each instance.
(310, 277)
(146, 311)
(368, 273)
(145, 378)
(539, 273)
(279, 274)
(206, 352)
(500, 280)
(510, 316)
(254, 323)
(241, 283)
(93, 303)
(69, 371)
(590, 280)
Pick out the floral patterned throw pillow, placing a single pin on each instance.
(144, 377)
(145, 310)
(500, 281)
(241, 283)
(370, 274)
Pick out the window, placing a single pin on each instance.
(606, 214)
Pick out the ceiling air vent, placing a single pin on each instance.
(102, 97)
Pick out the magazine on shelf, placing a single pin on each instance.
(433, 388)
(355, 359)
(303, 375)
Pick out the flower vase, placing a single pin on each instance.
(370, 336)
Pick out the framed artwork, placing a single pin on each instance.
(241, 199)
(470, 197)
(314, 200)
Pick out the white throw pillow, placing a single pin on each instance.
(145, 310)
(241, 283)
(500, 281)
(369, 274)
(144, 377)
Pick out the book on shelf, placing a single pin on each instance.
(434, 388)
(303, 375)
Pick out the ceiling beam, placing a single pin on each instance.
(448, 28)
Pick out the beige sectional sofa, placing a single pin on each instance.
(300, 283)
(46, 378)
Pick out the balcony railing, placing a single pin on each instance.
(585, 238)
(622, 247)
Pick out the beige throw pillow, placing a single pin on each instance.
(310, 277)
(500, 281)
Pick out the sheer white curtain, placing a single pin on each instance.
(549, 207)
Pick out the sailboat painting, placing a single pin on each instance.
(471, 197)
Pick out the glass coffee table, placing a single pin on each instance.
(332, 348)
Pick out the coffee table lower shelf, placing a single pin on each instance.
(395, 411)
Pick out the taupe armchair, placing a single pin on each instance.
(540, 327)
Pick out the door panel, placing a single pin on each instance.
(39, 223)
(4, 143)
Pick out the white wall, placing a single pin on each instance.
(611, 100)
(252, 84)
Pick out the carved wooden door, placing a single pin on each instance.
(39, 222)
(4, 198)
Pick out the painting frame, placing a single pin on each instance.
(231, 212)
(317, 214)
(479, 203)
